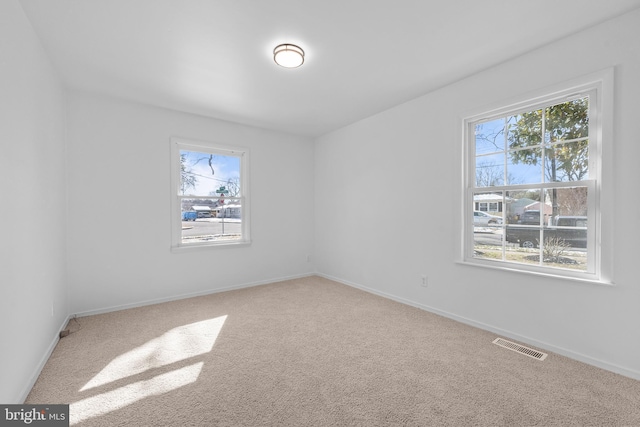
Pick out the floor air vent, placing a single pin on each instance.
(520, 349)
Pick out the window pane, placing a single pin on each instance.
(556, 253)
(487, 243)
(487, 209)
(567, 162)
(206, 220)
(487, 225)
(566, 121)
(524, 166)
(521, 201)
(565, 237)
(525, 155)
(567, 201)
(490, 170)
(525, 130)
(207, 174)
(522, 244)
(522, 233)
(489, 137)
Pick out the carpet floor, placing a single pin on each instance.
(313, 352)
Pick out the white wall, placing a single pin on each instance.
(388, 207)
(119, 196)
(33, 299)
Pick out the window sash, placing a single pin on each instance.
(592, 268)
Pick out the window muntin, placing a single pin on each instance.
(536, 158)
(210, 204)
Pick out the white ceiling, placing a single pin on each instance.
(214, 57)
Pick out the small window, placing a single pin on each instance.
(540, 163)
(209, 194)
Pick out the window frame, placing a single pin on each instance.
(178, 144)
(599, 87)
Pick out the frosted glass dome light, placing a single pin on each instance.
(288, 55)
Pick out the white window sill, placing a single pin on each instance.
(208, 246)
(595, 281)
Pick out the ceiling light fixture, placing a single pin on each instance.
(288, 55)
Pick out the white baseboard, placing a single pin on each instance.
(22, 396)
(631, 373)
(189, 295)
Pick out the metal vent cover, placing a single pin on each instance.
(535, 354)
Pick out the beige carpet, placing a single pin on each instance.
(312, 352)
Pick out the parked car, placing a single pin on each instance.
(482, 218)
(571, 229)
(189, 215)
(529, 217)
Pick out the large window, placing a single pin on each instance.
(209, 194)
(536, 165)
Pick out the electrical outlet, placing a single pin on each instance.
(425, 282)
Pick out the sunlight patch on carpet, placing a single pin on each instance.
(113, 400)
(173, 346)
